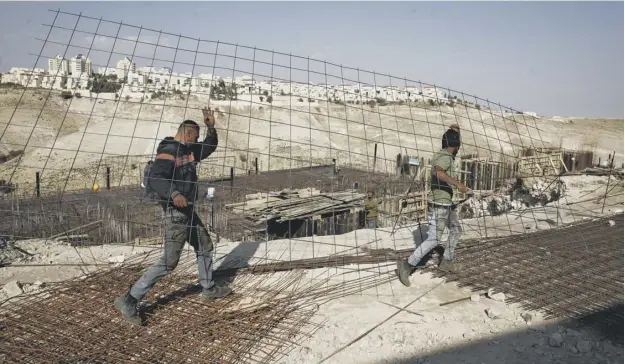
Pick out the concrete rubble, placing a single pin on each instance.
(556, 340)
(523, 194)
(12, 289)
(499, 296)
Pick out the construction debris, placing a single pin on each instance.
(521, 194)
(295, 204)
(12, 289)
(499, 296)
(601, 171)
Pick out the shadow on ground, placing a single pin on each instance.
(596, 338)
(238, 258)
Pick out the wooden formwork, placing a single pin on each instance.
(541, 162)
(416, 208)
(485, 175)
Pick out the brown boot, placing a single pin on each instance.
(215, 292)
(404, 271)
(447, 266)
(127, 305)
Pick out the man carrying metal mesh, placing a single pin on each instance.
(173, 181)
(442, 209)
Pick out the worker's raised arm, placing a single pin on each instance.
(206, 147)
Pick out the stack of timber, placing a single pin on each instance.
(299, 204)
(601, 171)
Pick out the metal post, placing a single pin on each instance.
(608, 184)
(375, 155)
(108, 178)
(231, 177)
(256, 164)
(38, 184)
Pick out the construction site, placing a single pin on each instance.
(539, 265)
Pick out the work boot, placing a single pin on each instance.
(404, 271)
(215, 292)
(127, 305)
(447, 265)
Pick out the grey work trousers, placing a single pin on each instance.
(180, 226)
(371, 223)
(439, 218)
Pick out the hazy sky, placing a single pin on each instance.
(555, 58)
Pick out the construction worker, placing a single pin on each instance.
(371, 210)
(442, 210)
(173, 182)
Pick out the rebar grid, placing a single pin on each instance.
(74, 322)
(328, 128)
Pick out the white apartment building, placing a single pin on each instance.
(124, 67)
(24, 76)
(435, 93)
(58, 65)
(79, 65)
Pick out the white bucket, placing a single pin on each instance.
(210, 192)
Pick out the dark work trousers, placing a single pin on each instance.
(181, 225)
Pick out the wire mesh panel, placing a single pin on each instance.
(317, 165)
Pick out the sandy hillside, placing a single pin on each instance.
(84, 133)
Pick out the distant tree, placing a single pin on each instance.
(477, 106)
(262, 99)
(281, 93)
(127, 97)
(64, 82)
(301, 100)
(431, 102)
(310, 100)
(371, 104)
(269, 99)
(66, 94)
(100, 85)
(266, 93)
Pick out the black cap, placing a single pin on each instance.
(451, 138)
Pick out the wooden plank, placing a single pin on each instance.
(564, 165)
(555, 169)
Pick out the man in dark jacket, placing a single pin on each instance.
(173, 182)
